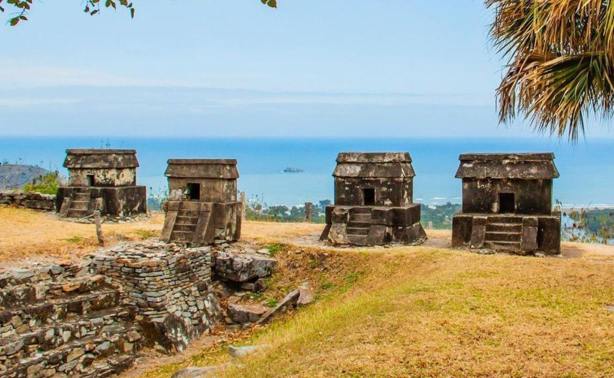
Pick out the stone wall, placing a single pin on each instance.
(91, 319)
(32, 200)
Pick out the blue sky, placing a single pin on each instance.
(236, 68)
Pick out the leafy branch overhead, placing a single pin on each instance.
(19, 8)
(561, 62)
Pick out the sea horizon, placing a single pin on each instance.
(583, 166)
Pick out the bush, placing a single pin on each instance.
(47, 184)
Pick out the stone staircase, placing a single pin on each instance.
(358, 226)
(185, 224)
(66, 325)
(79, 205)
(503, 233)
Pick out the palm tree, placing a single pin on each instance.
(561, 62)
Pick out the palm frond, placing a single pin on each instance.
(561, 61)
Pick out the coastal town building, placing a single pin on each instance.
(103, 180)
(373, 201)
(202, 207)
(507, 203)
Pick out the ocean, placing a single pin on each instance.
(586, 168)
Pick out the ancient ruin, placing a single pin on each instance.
(202, 207)
(373, 201)
(103, 180)
(507, 204)
(93, 318)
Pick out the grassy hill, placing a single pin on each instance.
(434, 312)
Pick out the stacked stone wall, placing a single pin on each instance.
(91, 319)
(32, 200)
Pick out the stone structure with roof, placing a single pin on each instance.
(202, 206)
(101, 179)
(373, 201)
(507, 203)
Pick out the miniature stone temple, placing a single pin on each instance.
(373, 201)
(202, 207)
(507, 204)
(101, 179)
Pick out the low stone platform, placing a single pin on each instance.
(373, 225)
(517, 233)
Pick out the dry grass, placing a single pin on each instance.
(33, 234)
(403, 311)
(431, 312)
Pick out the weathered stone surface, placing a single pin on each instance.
(373, 201)
(240, 267)
(92, 319)
(202, 208)
(510, 195)
(103, 180)
(30, 200)
(247, 313)
(305, 295)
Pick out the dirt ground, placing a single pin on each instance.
(33, 235)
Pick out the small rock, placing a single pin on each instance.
(305, 295)
(264, 251)
(70, 287)
(197, 372)
(610, 308)
(239, 267)
(242, 351)
(74, 354)
(245, 313)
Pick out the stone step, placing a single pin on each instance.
(186, 219)
(107, 349)
(503, 246)
(78, 213)
(505, 219)
(361, 217)
(184, 227)
(357, 239)
(502, 236)
(182, 236)
(357, 230)
(504, 227)
(81, 196)
(54, 335)
(25, 294)
(79, 205)
(360, 210)
(359, 223)
(57, 309)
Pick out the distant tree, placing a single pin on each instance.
(19, 8)
(561, 61)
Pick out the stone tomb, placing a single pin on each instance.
(202, 207)
(101, 179)
(373, 201)
(507, 204)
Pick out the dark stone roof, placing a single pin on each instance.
(374, 165)
(202, 168)
(523, 166)
(92, 158)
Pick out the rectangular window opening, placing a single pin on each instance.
(90, 180)
(368, 196)
(507, 203)
(193, 191)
